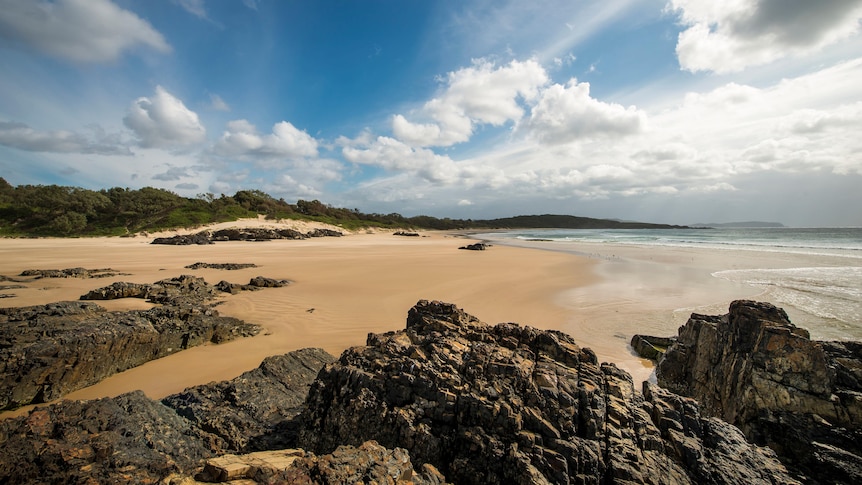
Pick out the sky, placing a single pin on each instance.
(672, 111)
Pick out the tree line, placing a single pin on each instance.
(53, 210)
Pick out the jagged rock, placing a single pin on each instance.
(263, 282)
(476, 247)
(253, 466)
(127, 439)
(201, 238)
(47, 351)
(511, 404)
(752, 367)
(224, 266)
(404, 233)
(650, 347)
(254, 411)
(71, 273)
(367, 463)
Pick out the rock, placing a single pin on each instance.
(649, 347)
(404, 233)
(47, 351)
(72, 273)
(476, 247)
(753, 368)
(263, 282)
(201, 238)
(127, 439)
(366, 463)
(224, 266)
(253, 465)
(511, 404)
(319, 232)
(254, 411)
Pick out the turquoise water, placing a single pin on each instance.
(821, 273)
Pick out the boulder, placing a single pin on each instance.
(512, 404)
(753, 368)
(254, 411)
(127, 439)
(650, 347)
(476, 247)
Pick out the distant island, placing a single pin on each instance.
(59, 211)
(741, 225)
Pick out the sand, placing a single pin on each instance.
(344, 288)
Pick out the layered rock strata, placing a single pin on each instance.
(510, 404)
(133, 439)
(47, 351)
(752, 367)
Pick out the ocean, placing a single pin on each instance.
(819, 276)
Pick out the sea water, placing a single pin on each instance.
(828, 293)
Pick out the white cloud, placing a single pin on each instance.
(163, 121)
(394, 155)
(218, 104)
(22, 137)
(77, 30)
(728, 36)
(241, 139)
(480, 94)
(194, 7)
(567, 113)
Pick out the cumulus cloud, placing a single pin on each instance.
(394, 155)
(480, 94)
(567, 113)
(77, 30)
(242, 139)
(163, 121)
(22, 137)
(729, 36)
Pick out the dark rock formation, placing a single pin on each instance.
(244, 234)
(224, 266)
(132, 439)
(47, 351)
(367, 463)
(201, 238)
(127, 439)
(476, 246)
(511, 404)
(254, 411)
(72, 273)
(650, 347)
(755, 369)
(319, 232)
(405, 233)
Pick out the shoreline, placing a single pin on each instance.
(344, 288)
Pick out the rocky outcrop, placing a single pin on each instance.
(254, 411)
(476, 247)
(243, 234)
(511, 404)
(405, 233)
(752, 367)
(367, 463)
(72, 273)
(650, 347)
(224, 266)
(47, 351)
(132, 439)
(127, 439)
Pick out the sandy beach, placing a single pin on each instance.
(343, 288)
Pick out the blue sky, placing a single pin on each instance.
(676, 111)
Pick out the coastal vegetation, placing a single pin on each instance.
(52, 210)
